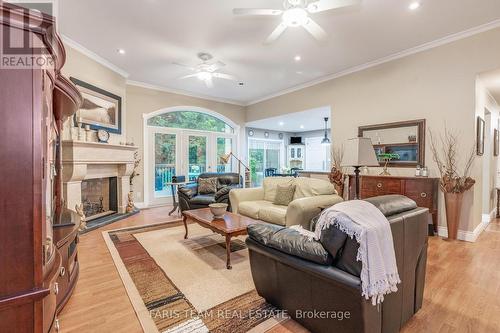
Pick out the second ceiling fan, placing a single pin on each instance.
(295, 13)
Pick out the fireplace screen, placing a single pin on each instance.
(99, 197)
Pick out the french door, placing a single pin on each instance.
(184, 153)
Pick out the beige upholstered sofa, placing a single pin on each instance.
(310, 196)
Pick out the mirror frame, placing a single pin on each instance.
(420, 123)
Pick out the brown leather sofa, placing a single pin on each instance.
(317, 288)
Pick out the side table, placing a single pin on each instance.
(173, 187)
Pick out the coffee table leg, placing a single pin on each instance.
(184, 219)
(228, 252)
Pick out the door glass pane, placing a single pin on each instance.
(224, 147)
(197, 156)
(165, 147)
(256, 166)
(273, 158)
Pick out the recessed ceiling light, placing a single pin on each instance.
(414, 5)
(297, 58)
(281, 123)
(241, 83)
(302, 126)
(121, 51)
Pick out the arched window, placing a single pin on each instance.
(191, 120)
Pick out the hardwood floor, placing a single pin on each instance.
(462, 292)
(100, 302)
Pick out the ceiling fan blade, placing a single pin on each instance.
(256, 12)
(185, 66)
(188, 76)
(322, 5)
(209, 83)
(215, 66)
(224, 76)
(315, 30)
(276, 33)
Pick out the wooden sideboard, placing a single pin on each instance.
(34, 103)
(423, 190)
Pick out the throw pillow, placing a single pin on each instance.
(284, 195)
(207, 185)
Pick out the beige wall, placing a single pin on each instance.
(438, 85)
(88, 70)
(142, 101)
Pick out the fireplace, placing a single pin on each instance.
(96, 177)
(99, 197)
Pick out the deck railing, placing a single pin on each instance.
(163, 174)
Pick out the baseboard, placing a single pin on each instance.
(468, 236)
(140, 205)
(487, 218)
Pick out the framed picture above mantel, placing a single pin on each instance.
(100, 108)
(404, 139)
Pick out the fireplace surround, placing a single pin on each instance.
(92, 164)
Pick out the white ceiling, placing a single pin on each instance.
(155, 33)
(304, 121)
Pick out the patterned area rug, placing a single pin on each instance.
(178, 285)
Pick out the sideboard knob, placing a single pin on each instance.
(56, 288)
(379, 185)
(62, 271)
(423, 195)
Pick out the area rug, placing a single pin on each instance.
(182, 285)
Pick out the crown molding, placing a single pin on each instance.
(182, 92)
(82, 49)
(417, 49)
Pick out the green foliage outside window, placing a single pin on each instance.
(190, 120)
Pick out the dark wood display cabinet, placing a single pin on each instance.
(424, 191)
(38, 239)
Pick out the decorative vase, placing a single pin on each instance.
(453, 203)
(337, 179)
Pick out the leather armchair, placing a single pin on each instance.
(189, 198)
(297, 275)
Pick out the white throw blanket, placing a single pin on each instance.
(362, 220)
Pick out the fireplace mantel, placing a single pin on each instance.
(90, 160)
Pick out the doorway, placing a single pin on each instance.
(184, 143)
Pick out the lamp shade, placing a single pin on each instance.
(360, 152)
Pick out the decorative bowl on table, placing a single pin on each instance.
(218, 209)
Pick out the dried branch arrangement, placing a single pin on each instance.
(336, 175)
(137, 161)
(446, 156)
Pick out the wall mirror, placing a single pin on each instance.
(402, 142)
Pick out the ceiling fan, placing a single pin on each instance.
(296, 14)
(207, 70)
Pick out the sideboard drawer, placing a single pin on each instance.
(380, 185)
(421, 191)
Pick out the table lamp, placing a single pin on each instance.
(359, 152)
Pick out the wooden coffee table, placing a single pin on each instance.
(231, 225)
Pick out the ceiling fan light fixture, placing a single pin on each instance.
(295, 17)
(204, 76)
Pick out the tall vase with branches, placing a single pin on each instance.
(130, 205)
(453, 182)
(337, 172)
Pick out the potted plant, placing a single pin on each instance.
(453, 183)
